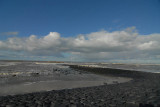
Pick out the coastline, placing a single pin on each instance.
(143, 90)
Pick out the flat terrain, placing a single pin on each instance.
(142, 91)
(27, 77)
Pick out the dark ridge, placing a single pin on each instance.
(117, 72)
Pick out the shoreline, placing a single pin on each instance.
(143, 90)
(59, 84)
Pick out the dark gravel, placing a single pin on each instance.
(142, 91)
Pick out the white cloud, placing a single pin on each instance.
(148, 45)
(101, 45)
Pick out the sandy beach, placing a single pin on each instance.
(29, 77)
(142, 91)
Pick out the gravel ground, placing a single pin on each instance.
(142, 91)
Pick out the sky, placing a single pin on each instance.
(123, 31)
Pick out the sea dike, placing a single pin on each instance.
(142, 91)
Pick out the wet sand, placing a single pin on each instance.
(142, 91)
(57, 83)
(28, 77)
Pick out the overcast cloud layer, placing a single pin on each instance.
(126, 44)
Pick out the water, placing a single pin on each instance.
(154, 68)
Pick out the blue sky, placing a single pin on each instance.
(70, 18)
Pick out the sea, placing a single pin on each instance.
(154, 68)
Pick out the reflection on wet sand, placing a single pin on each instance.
(45, 77)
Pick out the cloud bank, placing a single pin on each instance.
(126, 44)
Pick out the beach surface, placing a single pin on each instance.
(140, 90)
(28, 77)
